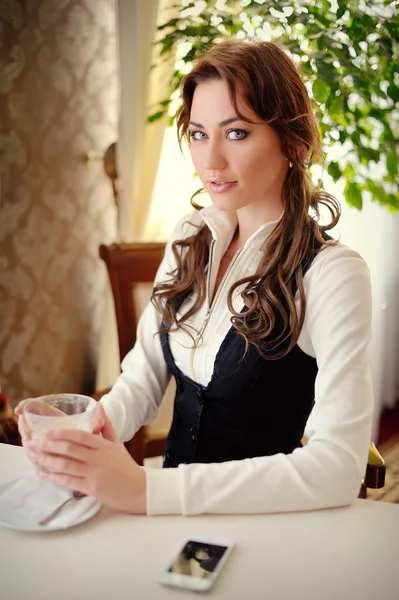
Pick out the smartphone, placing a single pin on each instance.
(197, 564)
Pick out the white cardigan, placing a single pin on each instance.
(337, 328)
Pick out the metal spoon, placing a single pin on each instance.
(75, 496)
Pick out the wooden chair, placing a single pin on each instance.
(131, 269)
(130, 265)
(375, 472)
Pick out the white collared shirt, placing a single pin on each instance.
(336, 331)
(222, 226)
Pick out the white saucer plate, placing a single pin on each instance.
(88, 508)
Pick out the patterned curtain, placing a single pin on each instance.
(58, 102)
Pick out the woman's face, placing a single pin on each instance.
(240, 164)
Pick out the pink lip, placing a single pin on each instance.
(221, 187)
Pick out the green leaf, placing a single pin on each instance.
(171, 23)
(392, 164)
(393, 201)
(353, 195)
(356, 139)
(368, 154)
(167, 45)
(376, 113)
(319, 17)
(393, 29)
(387, 134)
(342, 5)
(325, 68)
(321, 90)
(349, 172)
(189, 57)
(336, 105)
(393, 92)
(334, 170)
(368, 23)
(155, 116)
(378, 193)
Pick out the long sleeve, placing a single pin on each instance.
(134, 399)
(328, 470)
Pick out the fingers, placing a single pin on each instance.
(19, 408)
(65, 458)
(108, 431)
(23, 429)
(61, 464)
(30, 452)
(99, 420)
(67, 451)
(71, 481)
(75, 436)
(38, 407)
(46, 445)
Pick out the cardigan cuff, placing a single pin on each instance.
(163, 491)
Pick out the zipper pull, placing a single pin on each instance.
(207, 315)
(204, 324)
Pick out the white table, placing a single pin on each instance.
(340, 554)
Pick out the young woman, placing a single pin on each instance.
(262, 319)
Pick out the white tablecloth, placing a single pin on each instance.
(340, 554)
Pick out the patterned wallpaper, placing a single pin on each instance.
(58, 100)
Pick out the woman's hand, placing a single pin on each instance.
(25, 433)
(24, 430)
(96, 465)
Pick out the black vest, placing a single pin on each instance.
(251, 406)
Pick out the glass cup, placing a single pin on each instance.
(59, 411)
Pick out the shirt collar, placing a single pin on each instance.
(222, 225)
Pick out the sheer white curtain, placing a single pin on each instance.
(373, 233)
(143, 81)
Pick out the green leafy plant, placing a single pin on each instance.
(347, 53)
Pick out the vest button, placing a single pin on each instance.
(168, 456)
(200, 398)
(194, 432)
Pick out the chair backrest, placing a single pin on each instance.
(129, 265)
(132, 267)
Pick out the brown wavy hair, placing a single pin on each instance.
(264, 76)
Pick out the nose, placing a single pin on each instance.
(214, 158)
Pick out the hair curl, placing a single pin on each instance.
(266, 78)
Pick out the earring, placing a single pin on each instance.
(291, 164)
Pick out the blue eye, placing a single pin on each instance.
(198, 135)
(237, 134)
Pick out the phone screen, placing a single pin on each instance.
(197, 559)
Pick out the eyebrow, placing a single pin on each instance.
(221, 124)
